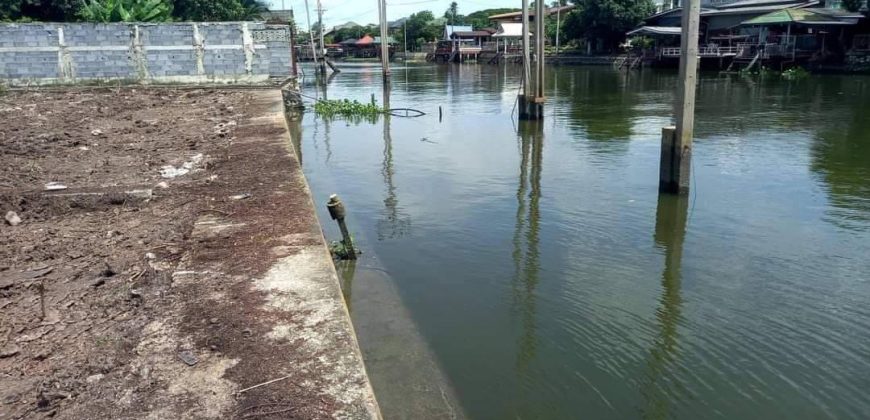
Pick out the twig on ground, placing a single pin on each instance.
(265, 383)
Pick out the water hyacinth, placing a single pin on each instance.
(347, 108)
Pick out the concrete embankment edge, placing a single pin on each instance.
(311, 277)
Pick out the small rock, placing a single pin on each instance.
(94, 378)
(9, 351)
(247, 332)
(164, 185)
(12, 218)
(188, 358)
(135, 294)
(213, 321)
(42, 354)
(241, 196)
(98, 282)
(150, 255)
(97, 132)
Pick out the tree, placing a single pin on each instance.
(253, 10)
(480, 18)
(10, 10)
(208, 10)
(606, 20)
(452, 15)
(853, 5)
(50, 10)
(126, 11)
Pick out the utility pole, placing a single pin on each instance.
(406, 39)
(527, 62)
(676, 153)
(385, 45)
(311, 34)
(322, 44)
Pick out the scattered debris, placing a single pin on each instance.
(12, 218)
(170, 171)
(241, 196)
(55, 186)
(94, 378)
(188, 358)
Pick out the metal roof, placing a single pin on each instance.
(656, 30)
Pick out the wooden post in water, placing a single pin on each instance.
(337, 212)
(523, 100)
(540, 59)
(678, 156)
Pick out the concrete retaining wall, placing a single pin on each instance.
(78, 53)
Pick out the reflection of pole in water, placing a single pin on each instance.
(670, 232)
(527, 265)
(346, 271)
(394, 225)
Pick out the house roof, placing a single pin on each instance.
(450, 29)
(509, 30)
(656, 30)
(797, 16)
(471, 34)
(757, 9)
(366, 40)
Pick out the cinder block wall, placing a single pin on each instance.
(77, 53)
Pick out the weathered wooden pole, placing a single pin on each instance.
(676, 160)
(523, 100)
(338, 212)
(385, 45)
(540, 41)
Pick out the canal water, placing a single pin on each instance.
(533, 271)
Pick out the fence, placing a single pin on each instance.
(73, 53)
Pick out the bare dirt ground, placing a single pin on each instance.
(129, 293)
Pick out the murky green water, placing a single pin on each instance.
(550, 280)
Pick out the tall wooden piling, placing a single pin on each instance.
(523, 100)
(678, 157)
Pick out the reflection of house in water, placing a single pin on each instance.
(526, 235)
(751, 33)
(840, 156)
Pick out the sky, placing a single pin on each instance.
(363, 12)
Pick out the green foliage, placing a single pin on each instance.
(38, 10)
(219, 10)
(10, 10)
(795, 73)
(347, 109)
(421, 27)
(339, 250)
(480, 18)
(852, 5)
(607, 20)
(452, 15)
(126, 11)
